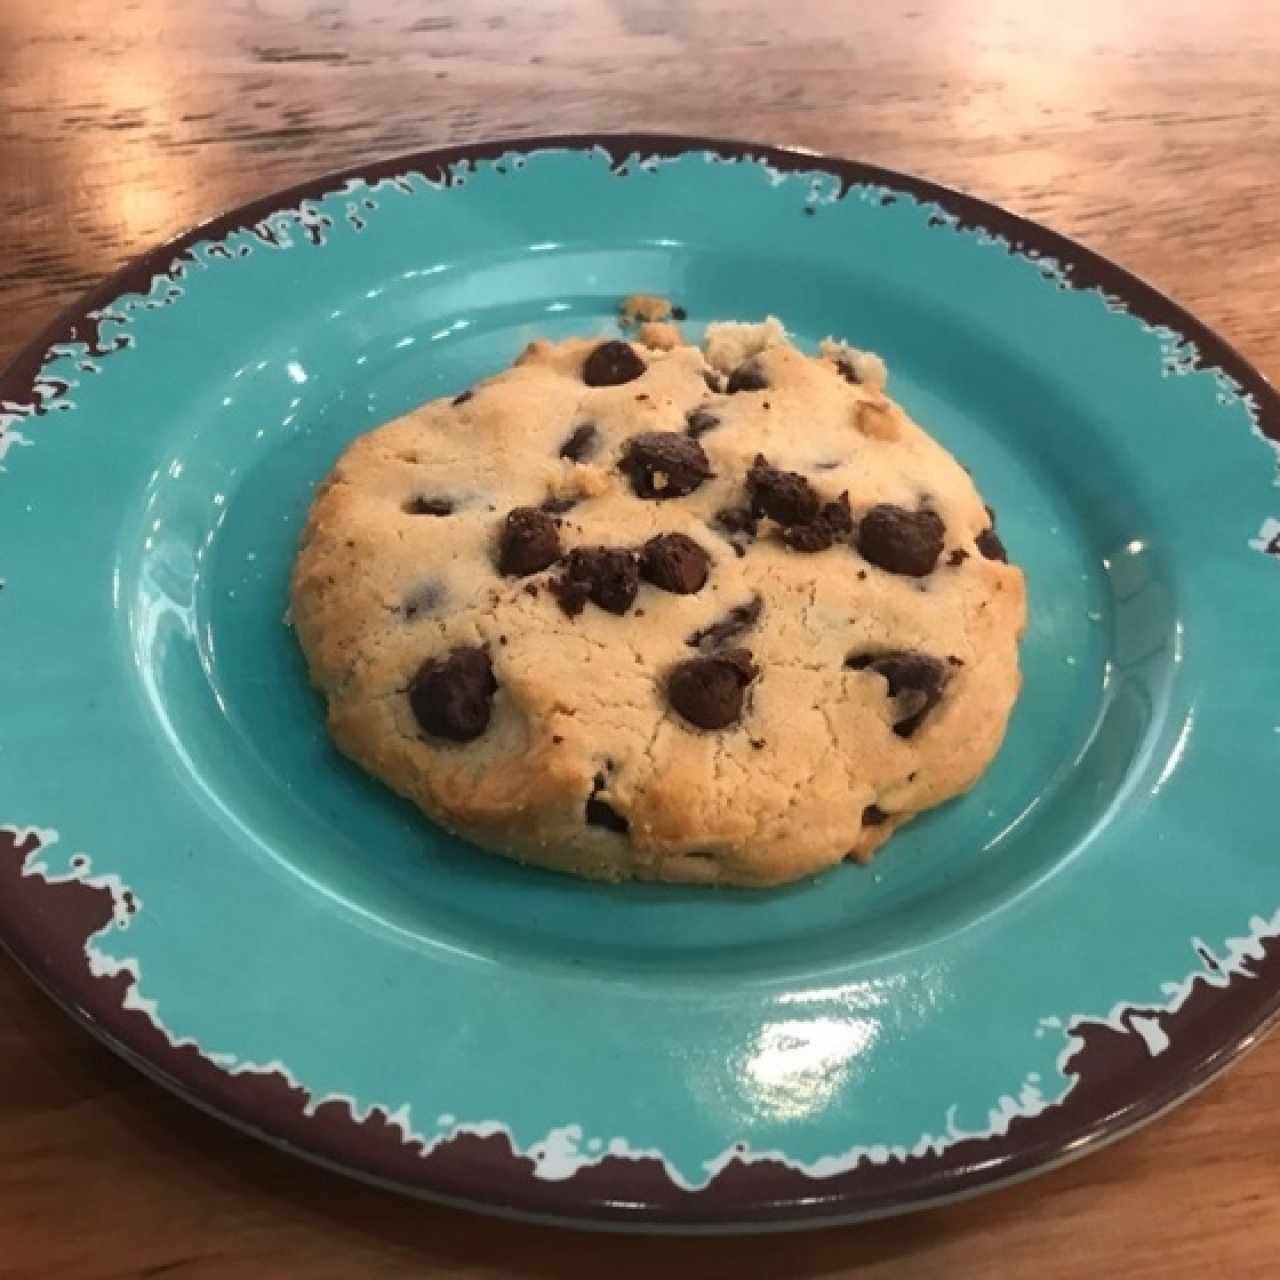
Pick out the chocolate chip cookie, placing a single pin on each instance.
(721, 615)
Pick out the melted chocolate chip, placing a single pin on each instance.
(452, 697)
(915, 683)
(873, 816)
(581, 444)
(611, 364)
(988, 542)
(462, 398)
(748, 376)
(709, 692)
(785, 496)
(740, 618)
(607, 576)
(957, 557)
(901, 541)
(558, 506)
(600, 813)
(529, 543)
(679, 313)
(664, 464)
(420, 506)
(675, 563)
(699, 421)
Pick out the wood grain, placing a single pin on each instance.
(1149, 129)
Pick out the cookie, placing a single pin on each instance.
(721, 615)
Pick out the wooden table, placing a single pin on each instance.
(1149, 128)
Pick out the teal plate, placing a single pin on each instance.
(198, 877)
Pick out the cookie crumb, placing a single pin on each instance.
(639, 307)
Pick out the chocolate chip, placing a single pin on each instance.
(713, 380)
(957, 557)
(808, 537)
(452, 697)
(529, 543)
(901, 541)
(463, 398)
(420, 506)
(915, 683)
(581, 444)
(953, 661)
(736, 520)
(699, 421)
(740, 618)
(664, 464)
(833, 521)
(785, 496)
(607, 576)
(558, 506)
(988, 542)
(571, 594)
(838, 515)
(611, 364)
(679, 313)
(846, 370)
(748, 376)
(873, 816)
(675, 563)
(600, 813)
(709, 692)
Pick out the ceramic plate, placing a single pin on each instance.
(192, 870)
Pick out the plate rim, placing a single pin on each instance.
(619, 1198)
